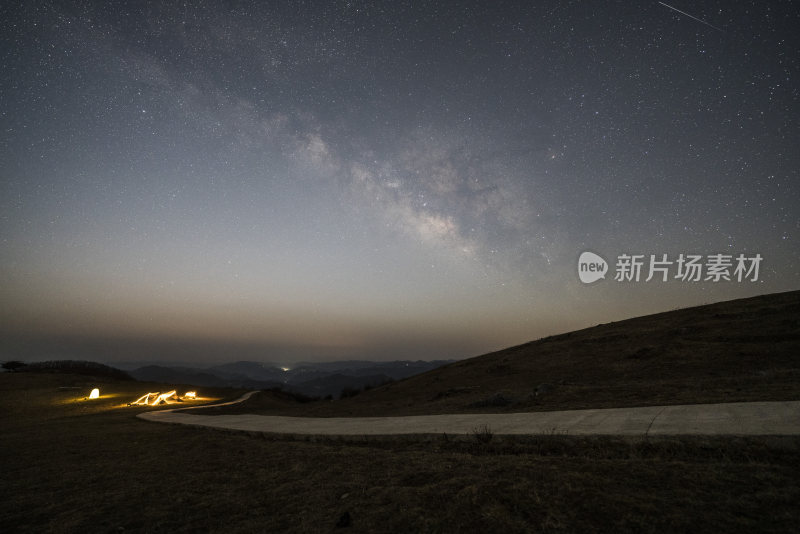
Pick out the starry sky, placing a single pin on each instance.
(284, 181)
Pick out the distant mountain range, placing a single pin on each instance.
(313, 379)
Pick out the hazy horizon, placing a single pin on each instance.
(382, 180)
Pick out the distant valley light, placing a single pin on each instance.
(95, 394)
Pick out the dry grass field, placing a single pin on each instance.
(85, 466)
(75, 465)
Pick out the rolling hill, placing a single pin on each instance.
(740, 350)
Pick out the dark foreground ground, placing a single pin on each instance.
(70, 465)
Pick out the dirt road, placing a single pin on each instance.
(747, 418)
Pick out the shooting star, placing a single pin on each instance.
(691, 17)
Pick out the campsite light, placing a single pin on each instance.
(164, 397)
(155, 398)
(95, 394)
(144, 399)
(152, 399)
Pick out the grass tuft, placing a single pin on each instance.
(482, 434)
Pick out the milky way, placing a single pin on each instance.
(384, 179)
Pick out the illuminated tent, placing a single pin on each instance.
(155, 398)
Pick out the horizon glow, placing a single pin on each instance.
(379, 180)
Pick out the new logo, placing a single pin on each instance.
(591, 267)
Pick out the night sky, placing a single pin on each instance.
(381, 180)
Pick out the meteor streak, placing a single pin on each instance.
(691, 17)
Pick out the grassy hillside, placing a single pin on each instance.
(741, 350)
(71, 465)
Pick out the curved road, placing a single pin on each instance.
(743, 418)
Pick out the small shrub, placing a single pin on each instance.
(483, 434)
